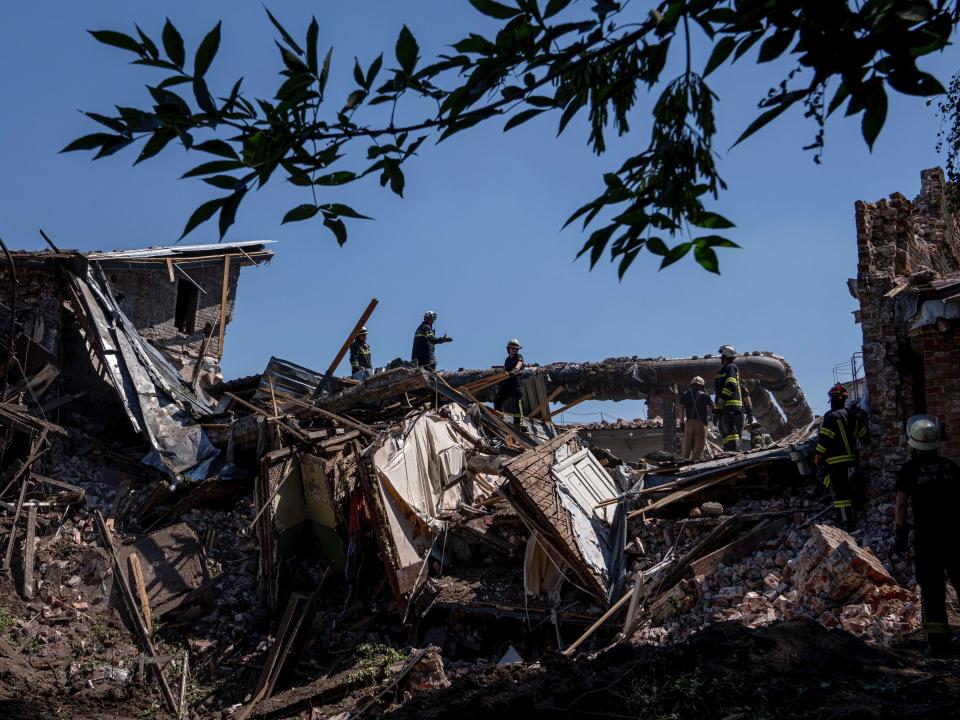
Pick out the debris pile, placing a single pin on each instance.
(298, 542)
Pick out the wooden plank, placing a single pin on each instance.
(538, 410)
(183, 708)
(260, 411)
(484, 382)
(130, 603)
(600, 621)
(353, 334)
(28, 553)
(136, 569)
(8, 554)
(223, 304)
(173, 278)
(36, 450)
(588, 396)
(683, 493)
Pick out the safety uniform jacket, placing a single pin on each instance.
(423, 341)
(513, 385)
(729, 388)
(360, 357)
(840, 432)
(933, 484)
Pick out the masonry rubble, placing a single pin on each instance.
(300, 540)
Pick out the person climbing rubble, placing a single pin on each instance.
(837, 454)
(930, 483)
(361, 360)
(697, 408)
(510, 390)
(424, 340)
(731, 403)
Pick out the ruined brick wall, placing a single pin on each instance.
(902, 243)
(149, 299)
(39, 312)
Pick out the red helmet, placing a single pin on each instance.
(838, 391)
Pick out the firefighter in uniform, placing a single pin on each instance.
(360, 358)
(837, 452)
(932, 484)
(424, 340)
(696, 407)
(731, 402)
(510, 391)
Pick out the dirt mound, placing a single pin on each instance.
(795, 669)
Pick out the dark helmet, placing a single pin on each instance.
(838, 392)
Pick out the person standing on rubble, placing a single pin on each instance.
(697, 408)
(932, 484)
(731, 402)
(510, 391)
(837, 454)
(424, 340)
(360, 357)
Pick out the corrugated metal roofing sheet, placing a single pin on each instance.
(292, 384)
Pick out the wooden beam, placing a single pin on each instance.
(600, 621)
(193, 282)
(546, 402)
(345, 422)
(141, 631)
(684, 493)
(173, 278)
(28, 553)
(353, 334)
(8, 555)
(588, 396)
(223, 304)
(485, 382)
(136, 569)
(260, 411)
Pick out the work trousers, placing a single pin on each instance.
(507, 400)
(936, 559)
(694, 439)
(730, 425)
(840, 480)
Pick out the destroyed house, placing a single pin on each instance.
(908, 286)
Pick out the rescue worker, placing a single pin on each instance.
(360, 358)
(932, 484)
(731, 402)
(837, 453)
(510, 390)
(756, 436)
(424, 340)
(697, 408)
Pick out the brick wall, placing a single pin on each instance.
(39, 312)
(902, 245)
(149, 299)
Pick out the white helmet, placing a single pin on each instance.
(697, 381)
(430, 314)
(923, 433)
(363, 330)
(727, 351)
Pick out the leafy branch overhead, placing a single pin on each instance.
(604, 61)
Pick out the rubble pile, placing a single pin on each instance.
(298, 542)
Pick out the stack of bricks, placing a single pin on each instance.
(902, 244)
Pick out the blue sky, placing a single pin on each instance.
(478, 236)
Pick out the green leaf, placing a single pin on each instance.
(88, 142)
(115, 143)
(202, 214)
(522, 117)
(358, 73)
(217, 147)
(842, 94)
(397, 180)
(203, 97)
(283, 33)
(710, 220)
(721, 51)
(206, 52)
(115, 124)
(340, 177)
(407, 50)
(555, 6)
(224, 182)
(228, 212)
(325, 70)
(210, 168)
(874, 116)
(495, 9)
(762, 120)
(374, 70)
(675, 254)
(117, 39)
(715, 241)
(775, 45)
(541, 101)
(915, 82)
(657, 246)
(313, 34)
(157, 142)
(337, 228)
(173, 44)
(148, 44)
(597, 242)
(300, 212)
(707, 258)
(173, 80)
(343, 211)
